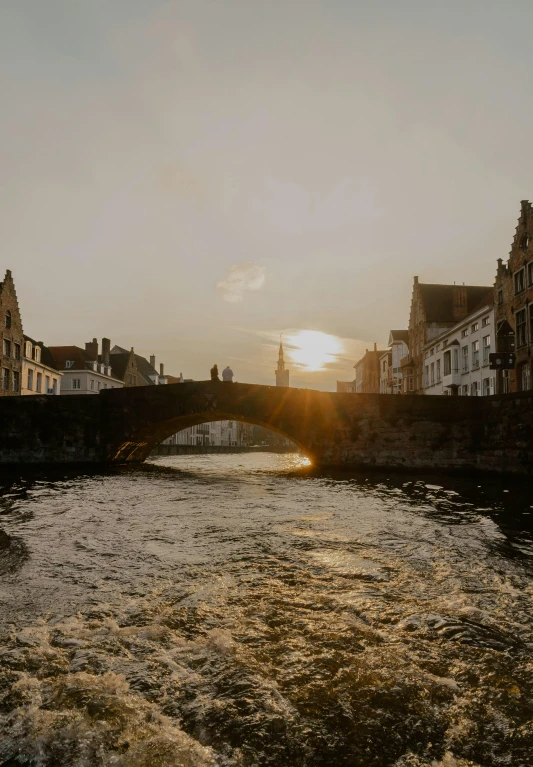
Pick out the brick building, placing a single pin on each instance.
(11, 339)
(434, 309)
(513, 306)
(367, 372)
(135, 370)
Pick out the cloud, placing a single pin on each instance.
(240, 279)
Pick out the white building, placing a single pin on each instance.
(39, 373)
(457, 361)
(385, 365)
(398, 343)
(82, 372)
(230, 433)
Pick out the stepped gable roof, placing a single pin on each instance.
(399, 335)
(438, 300)
(78, 356)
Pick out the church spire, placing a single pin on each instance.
(282, 375)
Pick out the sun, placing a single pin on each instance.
(312, 349)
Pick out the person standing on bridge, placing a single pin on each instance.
(227, 374)
(214, 373)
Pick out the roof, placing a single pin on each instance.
(438, 300)
(370, 353)
(119, 364)
(78, 356)
(144, 368)
(399, 335)
(46, 356)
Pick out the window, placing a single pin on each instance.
(464, 332)
(530, 274)
(411, 384)
(5, 379)
(438, 371)
(8, 320)
(69, 363)
(500, 297)
(456, 360)
(47, 384)
(475, 355)
(521, 327)
(54, 385)
(39, 382)
(485, 321)
(524, 377)
(99, 384)
(37, 353)
(432, 352)
(475, 327)
(16, 380)
(465, 359)
(474, 389)
(520, 281)
(76, 383)
(437, 348)
(447, 363)
(465, 390)
(28, 350)
(432, 373)
(426, 355)
(7, 348)
(531, 321)
(486, 387)
(30, 380)
(486, 349)
(16, 351)
(92, 384)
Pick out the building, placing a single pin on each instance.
(385, 373)
(434, 310)
(39, 372)
(457, 361)
(84, 370)
(282, 375)
(215, 433)
(398, 344)
(11, 339)
(135, 370)
(367, 372)
(346, 387)
(513, 294)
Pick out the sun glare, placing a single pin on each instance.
(312, 349)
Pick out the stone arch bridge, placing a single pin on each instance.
(492, 434)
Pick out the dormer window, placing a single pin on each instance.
(8, 319)
(28, 350)
(69, 363)
(37, 354)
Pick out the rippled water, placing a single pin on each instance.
(244, 610)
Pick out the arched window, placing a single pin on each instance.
(8, 319)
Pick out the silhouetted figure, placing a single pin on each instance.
(227, 374)
(214, 373)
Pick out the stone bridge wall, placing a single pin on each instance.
(492, 434)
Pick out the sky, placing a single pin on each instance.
(195, 177)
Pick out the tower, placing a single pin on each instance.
(282, 375)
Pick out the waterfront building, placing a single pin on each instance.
(39, 371)
(398, 344)
(513, 294)
(457, 361)
(215, 433)
(346, 387)
(367, 372)
(385, 372)
(11, 339)
(84, 370)
(434, 310)
(135, 370)
(282, 375)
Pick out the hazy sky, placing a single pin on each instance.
(192, 177)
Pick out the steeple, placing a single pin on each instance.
(282, 375)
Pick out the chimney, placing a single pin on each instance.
(162, 370)
(459, 306)
(416, 280)
(152, 361)
(106, 351)
(375, 346)
(91, 347)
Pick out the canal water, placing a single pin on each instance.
(240, 610)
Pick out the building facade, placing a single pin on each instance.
(215, 433)
(282, 375)
(11, 339)
(398, 344)
(84, 370)
(39, 372)
(434, 310)
(513, 304)
(457, 361)
(385, 373)
(367, 372)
